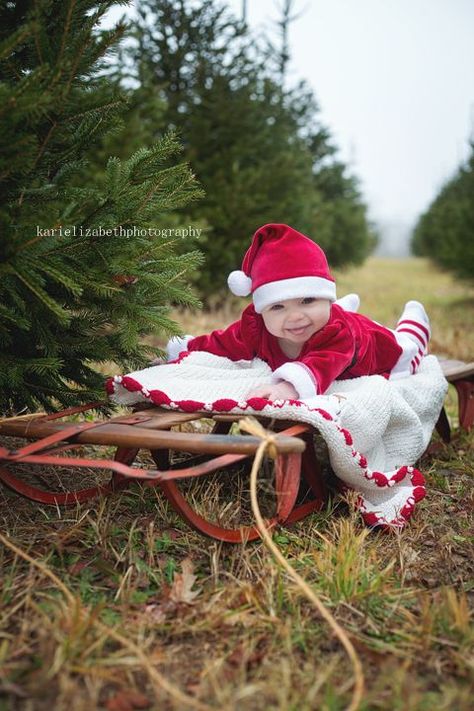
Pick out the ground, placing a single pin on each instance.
(122, 606)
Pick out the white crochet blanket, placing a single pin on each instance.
(375, 429)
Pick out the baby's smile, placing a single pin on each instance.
(296, 320)
(297, 330)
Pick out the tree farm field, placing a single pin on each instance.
(117, 604)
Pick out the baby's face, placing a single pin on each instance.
(296, 320)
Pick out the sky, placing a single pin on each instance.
(394, 80)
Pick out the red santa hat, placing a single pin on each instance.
(281, 263)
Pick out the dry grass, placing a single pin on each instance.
(93, 616)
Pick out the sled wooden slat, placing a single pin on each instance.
(163, 419)
(455, 370)
(124, 435)
(461, 376)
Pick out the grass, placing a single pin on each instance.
(122, 606)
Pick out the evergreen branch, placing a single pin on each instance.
(10, 43)
(107, 40)
(14, 317)
(96, 110)
(61, 278)
(73, 72)
(42, 366)
(26, 83)
(63, 38)
(84, 45)
(60, 310)
(37, 40)
(153, 157)
(43, 296)
(41, 151)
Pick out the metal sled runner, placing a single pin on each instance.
(299, 486)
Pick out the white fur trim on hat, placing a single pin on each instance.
(239, 283)
(295, 288)
(300, 376)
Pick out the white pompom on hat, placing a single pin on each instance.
(282, 263)
(239, 283)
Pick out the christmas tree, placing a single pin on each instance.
(444, 232)
(257, 146)
(83, 277)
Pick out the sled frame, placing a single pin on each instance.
(461, 376)
(149, 428)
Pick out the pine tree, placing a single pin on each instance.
(444, 232)
(77, 289)
(258, 149)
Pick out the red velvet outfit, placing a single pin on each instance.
(350, 345)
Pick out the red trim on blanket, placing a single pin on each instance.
(131, 384)
(226, 404)
(189, 405)
(159, 397)
(256, 403)
(347, 436)
(323, 413)
(370, 519)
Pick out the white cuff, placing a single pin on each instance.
(300, 376)
(349, 302)
(176, 345)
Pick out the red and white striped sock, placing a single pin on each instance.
(415, 324)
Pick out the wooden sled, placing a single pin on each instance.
(299, 485)
(296, 466)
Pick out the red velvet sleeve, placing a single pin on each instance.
(327, 360)
(325, 356)
(236, 342)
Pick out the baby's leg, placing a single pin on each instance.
(413, 334)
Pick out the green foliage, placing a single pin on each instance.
(75, 288)
(339, 217)
(258, 149)
(444, 232)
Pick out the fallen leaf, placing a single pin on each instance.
(183, 582)
(158, 612)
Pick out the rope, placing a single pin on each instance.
(269, 444)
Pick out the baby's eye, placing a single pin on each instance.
(308, 300)
(276, 307)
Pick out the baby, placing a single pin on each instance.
(296, 325)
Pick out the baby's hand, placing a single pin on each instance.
(275, 391)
